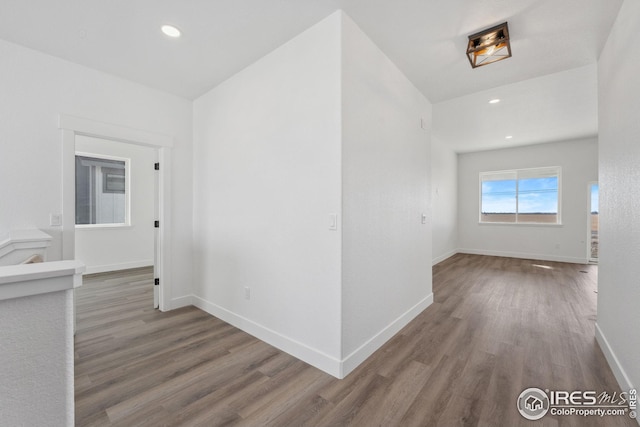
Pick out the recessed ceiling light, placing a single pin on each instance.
(508, 137)
(171, 31)
(494, 101)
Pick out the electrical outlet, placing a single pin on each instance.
(247, 293)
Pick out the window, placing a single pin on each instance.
(102, 192)
(521, 196)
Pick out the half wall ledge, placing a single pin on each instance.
(17, 281)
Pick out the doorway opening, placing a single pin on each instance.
(116, 204)
(162, 145)
(593, 223)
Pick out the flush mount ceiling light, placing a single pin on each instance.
(489, 46)
(494, 101)
(171, 31)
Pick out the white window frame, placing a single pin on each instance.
(545, 170)
(127, 199)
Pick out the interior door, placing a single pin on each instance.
(156, 240)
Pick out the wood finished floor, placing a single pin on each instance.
(496, 327)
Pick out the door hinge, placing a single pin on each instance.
(156, 282)
(156, 166)
(156, 224)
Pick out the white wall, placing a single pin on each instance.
(619, 269)
(36, 89)
(444, 201)
(271, 146)
(567, 242)
(117, 248)
(385, 156)
(266, 178)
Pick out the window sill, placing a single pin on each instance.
(101, 226)
(522, 224)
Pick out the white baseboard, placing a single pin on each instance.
(618, 371)
(352, 361)
(115, 267)
(312, 356)
(329, 364)
(180, 302)
(525, 255)
(441, 258)
(621, 376)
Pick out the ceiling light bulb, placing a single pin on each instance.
(508, 137)
(171, 31)
(494, 101)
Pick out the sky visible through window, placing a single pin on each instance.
(535, 195)
(594, 198)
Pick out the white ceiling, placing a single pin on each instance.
(554, 107)
(425, 38)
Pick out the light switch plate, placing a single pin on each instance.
(333, 221)
(55, 220)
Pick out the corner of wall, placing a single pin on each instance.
(618, 371)
(285, 158)
(443, 257)
(312, 356)
(353, 360)
(619, 153)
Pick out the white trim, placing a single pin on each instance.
(180, 302)
(331, 365)
(522, 224)
(358, 356)
(441, 258)
(102, 226)
(116, 132)
(314, 357)
(17, 281)
(524, 255)
(618, 371)
(24, 239)
(68, 194)
(120, 266)
(71, 126)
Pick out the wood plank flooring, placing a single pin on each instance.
(496, 327)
